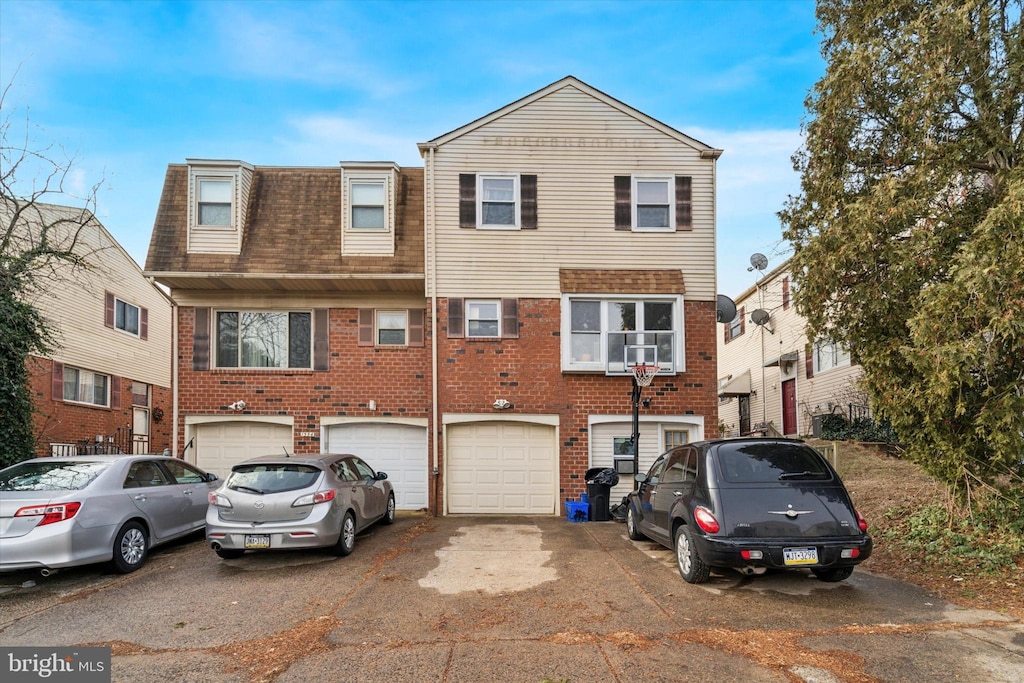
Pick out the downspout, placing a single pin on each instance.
(431, 273)
(174, 378)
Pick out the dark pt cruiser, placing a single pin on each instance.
(750, 504)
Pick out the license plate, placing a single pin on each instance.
(257, 540)
(800, 555)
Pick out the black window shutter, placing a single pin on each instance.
(321, 340)
(623, 203)
(365, 327)
(467, 200)
(528, 197)
(456, 323)
(684, 202)
(144, 323)
(201, 339)
(510, 318)
(416, 326)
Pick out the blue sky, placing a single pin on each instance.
(128, 87)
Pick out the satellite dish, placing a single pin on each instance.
(726, 312)
(760, 317)
(759, 261)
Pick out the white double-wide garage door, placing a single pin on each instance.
(398, 449)
(501, 467)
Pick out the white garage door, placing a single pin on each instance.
(222, 444)
(400, 450)
(501, 467)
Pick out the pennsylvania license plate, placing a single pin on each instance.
(257, 540)
(800, 555)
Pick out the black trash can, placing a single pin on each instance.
(600, 481)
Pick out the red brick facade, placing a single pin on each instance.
(58, 422)
(527, 372)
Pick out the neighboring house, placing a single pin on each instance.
(107, 386)
(461, 326)
(772, 379)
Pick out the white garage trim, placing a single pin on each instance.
(221, 444)
(525, 482)
(395, 447)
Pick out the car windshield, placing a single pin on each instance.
(50, 476)
(764, 462)
(271, 477)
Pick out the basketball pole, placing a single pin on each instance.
(637, 389)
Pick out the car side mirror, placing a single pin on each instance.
(381, 476)
(640, 478)
(210, 476)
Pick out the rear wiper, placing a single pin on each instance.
(794, 475)
(246, 488)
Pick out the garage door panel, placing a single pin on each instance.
(221, 445)
(501, 468)
(400, 450)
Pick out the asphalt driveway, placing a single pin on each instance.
(503, 599)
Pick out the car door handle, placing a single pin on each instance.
(189, 492)
(677, 493)
(140, 497)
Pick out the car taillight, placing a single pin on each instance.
(705, 520)
(218, 500)
(861, 522)
(57, 512)
(324, 496)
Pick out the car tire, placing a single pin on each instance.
(691, 567)
(631, 528)
(229, 553)
(833, 575)
(131, 547)
(389, 514)
(347, 538)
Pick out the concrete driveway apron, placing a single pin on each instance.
(504, 599)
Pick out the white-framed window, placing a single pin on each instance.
(126, 317)
(498, 200)
(392, 328)
(213, 201)
(483, 318)
(83, 386)
(368, 199)
(736, 327)
(597, 331)
(676, 437)
(829, 355)
(653, 203)
(263, 339)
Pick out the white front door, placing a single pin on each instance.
(502, 467)
(140, 430)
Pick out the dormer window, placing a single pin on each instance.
(214, 207)
(368, 204)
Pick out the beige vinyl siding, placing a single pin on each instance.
(75, 307)
(576, 145)
(219, 240)
(835, 386)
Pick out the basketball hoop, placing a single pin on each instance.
(643, 375)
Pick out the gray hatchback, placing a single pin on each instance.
(297, 501)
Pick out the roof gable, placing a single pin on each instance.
(573, 82)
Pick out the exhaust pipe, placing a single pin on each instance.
(46, 571)
(215, 545)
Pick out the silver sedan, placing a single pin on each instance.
(65, 512)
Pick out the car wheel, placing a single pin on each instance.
(833, 575)
(229, 553)
(691, 567)
(347, 537)
(631, 529)
(389, 514)
(131, 546)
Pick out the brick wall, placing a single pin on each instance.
(58, 422)
(527, 372)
